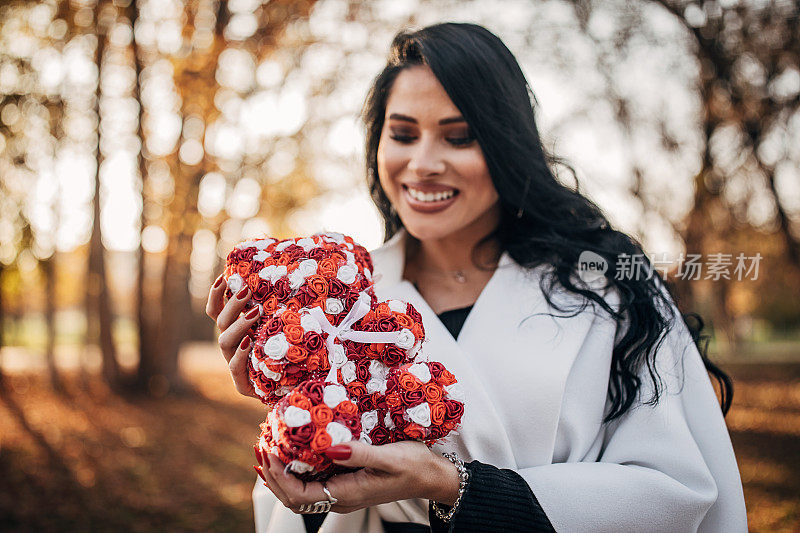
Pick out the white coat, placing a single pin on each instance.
(536, 390)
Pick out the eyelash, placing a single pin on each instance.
(458, 141)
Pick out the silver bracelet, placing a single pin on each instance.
(463, 477)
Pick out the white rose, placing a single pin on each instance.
(388, 422)
(274, 424)
(378, 369)
(412, 353)
(294, 417)
(420, 414)
(258, 390)
(397, 306)
(283, 391)
(376, 385)
(263, 244)
(334, 395)
(421, 371)
(283, 245)
(405, 339)
(348, 372)
(276, 346)
(262, 367)
(245, 244)
(306, 243)
(296, 279)
(338, 433)
(307, 267)
(369, 420)
(349, 257)
(235, 283)
(365, 438)
(337, 358)
(260, 256)
(300, 467)
(455, 392)
(335, 237)
(309, 323)
(368, 274)
(347, 274)
(278, 273)
(334, 306)
(266, 272)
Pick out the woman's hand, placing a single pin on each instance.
(391, 472)
(233, 339)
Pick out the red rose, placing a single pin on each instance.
(247, 254)
(388, 323)
(379, 435)
(313, 390)
(301, 435)
(414, 431)
(436, 368)
(414, 314)
(362, 370)
(312, 341)
(412, 398)
(454, 409)
(393, 355)
(262, 290)
(282, 289)
(336, 288)
(274, 327)
(353, 424)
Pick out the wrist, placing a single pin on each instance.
(444, 481)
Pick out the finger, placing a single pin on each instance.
(233, 308)
(295, 491)
(363, 455)
(272, 484)
(231, 337)
(216, 295)
(238, 368)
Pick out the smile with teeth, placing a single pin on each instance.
(431, 196)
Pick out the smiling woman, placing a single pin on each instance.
(588, 404)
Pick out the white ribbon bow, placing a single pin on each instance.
(344, 331)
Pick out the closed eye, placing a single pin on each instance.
(455, 141)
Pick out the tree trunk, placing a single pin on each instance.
(98, 286)
(49, 270)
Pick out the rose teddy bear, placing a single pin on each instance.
(330, 361)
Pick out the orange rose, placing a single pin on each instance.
(312, 363)
(273, 366)
(446, 378)
(416, 329)
(338, 256)
(230, 270)
(269, 261)
(253, 280)
(433, 392)
(404, 321)
(296, 354)
(294, 333)
(438, 413)
(321, 441)
(369, 317)
(293, 305)
(290, 317)
(285, 260)
(383, 310)
(322, 414)
(408, 381)
(300, 401)
(356, 388)
(318, 285)
(347, 408)
(327, 267)
(393, 400)
(243, 269)
(414, 431)
(270, 305)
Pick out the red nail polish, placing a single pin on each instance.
(260, 473)
(218, 282)
(338, 453)
(252, 313)
(242, 293)
(245, 344)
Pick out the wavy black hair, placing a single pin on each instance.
(543, 221)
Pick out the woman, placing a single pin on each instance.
(588, 406)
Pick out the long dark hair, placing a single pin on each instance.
(543, 222)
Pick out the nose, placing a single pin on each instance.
(426, 159)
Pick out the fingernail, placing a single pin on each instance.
(242, 293)
(252, 313)
(245, 344)
(260, 473)
(218, 282)
(258, 454)
(338, 453)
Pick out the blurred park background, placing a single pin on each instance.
(141, 139)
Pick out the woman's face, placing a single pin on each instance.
(429, 165)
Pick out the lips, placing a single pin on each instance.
(429, 197)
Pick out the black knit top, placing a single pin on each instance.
(496, 500)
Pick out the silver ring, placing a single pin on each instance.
(329, 495)
(315, 508)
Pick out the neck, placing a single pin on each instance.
(455, 252)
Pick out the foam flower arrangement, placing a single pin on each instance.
(312, 417)
(332, 362)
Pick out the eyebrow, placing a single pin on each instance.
(405, 118)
